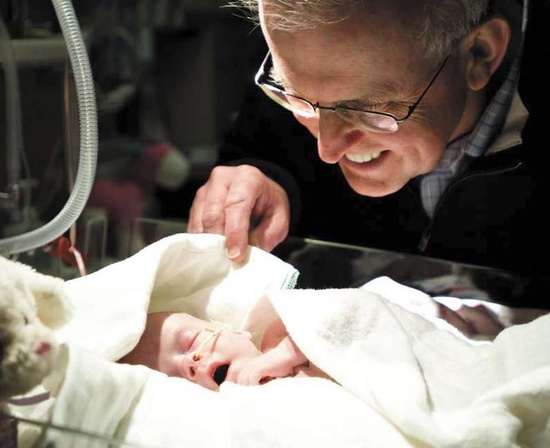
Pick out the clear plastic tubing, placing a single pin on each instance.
(87, 109)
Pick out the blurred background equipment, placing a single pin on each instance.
(160, 71)
(32, 238)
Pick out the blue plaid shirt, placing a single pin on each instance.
(474, 144)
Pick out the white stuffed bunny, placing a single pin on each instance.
(32, 305)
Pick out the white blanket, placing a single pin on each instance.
(437, 387)
(404, 380)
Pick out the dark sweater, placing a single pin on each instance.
(496, 214)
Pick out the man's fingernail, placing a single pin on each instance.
(233, 252)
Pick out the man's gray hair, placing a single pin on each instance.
(446, 22)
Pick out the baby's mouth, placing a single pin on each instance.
(221, 373)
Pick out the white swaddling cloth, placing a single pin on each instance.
(405, 381)
(439, 388)
(191, 273)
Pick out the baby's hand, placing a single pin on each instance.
(262, 369)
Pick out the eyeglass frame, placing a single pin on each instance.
(261, 79)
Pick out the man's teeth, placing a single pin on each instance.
(362, 158)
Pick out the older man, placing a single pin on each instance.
(416, 102)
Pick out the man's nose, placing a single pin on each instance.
(334, 136)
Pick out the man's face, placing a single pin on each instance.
(179, 344)
(371, 61)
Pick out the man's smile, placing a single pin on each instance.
(363, 157)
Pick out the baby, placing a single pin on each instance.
(209, 353)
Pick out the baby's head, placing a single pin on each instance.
(204, 352)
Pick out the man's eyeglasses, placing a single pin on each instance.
(362, 119)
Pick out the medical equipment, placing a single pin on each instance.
(88, 141)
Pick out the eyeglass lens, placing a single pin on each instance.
(365, 120)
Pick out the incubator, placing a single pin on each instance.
(379, 341)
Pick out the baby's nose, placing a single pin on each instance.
(189, 368)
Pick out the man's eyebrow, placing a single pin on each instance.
(383, 92)
(276, 78)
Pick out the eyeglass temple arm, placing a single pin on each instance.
(415, 105)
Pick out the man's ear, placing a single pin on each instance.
(486, 47)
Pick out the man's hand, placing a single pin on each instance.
(243, 204)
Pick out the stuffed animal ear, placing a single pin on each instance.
(52, 305)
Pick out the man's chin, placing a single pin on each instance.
(374, 189)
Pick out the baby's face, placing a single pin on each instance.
(179, 344)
